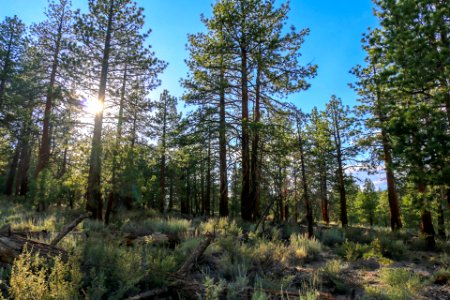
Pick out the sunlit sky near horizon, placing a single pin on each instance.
(334, 43)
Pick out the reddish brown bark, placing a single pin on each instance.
(44, 150)
(22, 179)
(394, 207)
(324, 195)
(246, 205)
(112, 198)
(12, 170)
(340, 170)
(223, 202)
(254, 171)
(308, 207)
(94, 202)
(207, 200)
(426, 222)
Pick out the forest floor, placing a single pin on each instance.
(142, 255)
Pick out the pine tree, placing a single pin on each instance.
(12, 46)
(165, 122)
(53, 39)
(110, 27)
(342, 129)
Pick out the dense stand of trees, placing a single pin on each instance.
(79, 129)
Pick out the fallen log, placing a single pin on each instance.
(11, 246)
(150, 294)
(69, 228)
(192, 259)
(188, 289)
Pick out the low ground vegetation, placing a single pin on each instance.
(142, 252)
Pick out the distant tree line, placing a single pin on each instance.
(240, 150)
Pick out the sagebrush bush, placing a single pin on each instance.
(400, 283)
(165, 226)
(332, 274)
(221, 227)
(331, 237)
(352, 251)
(33, 277)
(213, 289)
(303, 247)
(359, 235)
(238, 285)
(117, 269)
(393, 249)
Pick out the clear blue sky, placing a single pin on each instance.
(334, 43)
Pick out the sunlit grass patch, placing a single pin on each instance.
(398, 283)
(220, 226)
(331, 273)
(303, 247)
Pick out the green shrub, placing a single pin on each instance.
(33, 277)
(169, 226)
(353, 251)
(359, 235)
(400, 283)
(221, 227)
(213, 289)
(238, 285)
(303, 247)
(394, 249)
(113, 268)
(332, 273)
(332, 237)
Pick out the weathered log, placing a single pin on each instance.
(149, 294)
(13, 245)
(192, 259)
(188, 289)
(69, 228)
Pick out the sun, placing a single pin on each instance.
(93, 106)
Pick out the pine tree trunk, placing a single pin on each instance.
(13, 169)
(94, 197)
(170, 207)
(115, 192)
(394, 206)
(426, 222)
(342, 192)
(246, 205)
(340, 170)
(255, 176)
(24, 166)
(324, 194)
(44, 150)
(3, 75)
(207, 200)
(448, 198)
(308, 207)
(440, 211)
(25, 157)
(223, 202)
